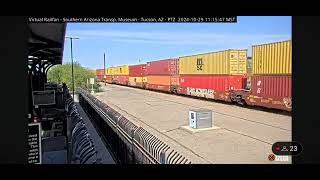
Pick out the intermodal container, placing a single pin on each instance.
(121, 80)
(99, 77)
(121, 70)
(228, 62)
(271, 86)
(145, 79)
(109, 79)
(174, 80)
(272, 91)
(137, 70)
(211, 87)
(272, 59)
(134, 81)
(162, 67)
(99, 72)
(217, 83)
(159, 87)
(160, 80)
(110, 71)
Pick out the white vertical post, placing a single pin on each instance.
(92, 83)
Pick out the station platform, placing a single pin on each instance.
(244, 136)
(55, 149)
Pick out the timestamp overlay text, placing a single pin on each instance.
(214, 19)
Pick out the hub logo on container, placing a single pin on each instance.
(199, 64)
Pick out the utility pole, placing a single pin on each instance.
(71, 38)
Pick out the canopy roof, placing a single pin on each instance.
(46, 41)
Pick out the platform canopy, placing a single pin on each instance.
(46, 42)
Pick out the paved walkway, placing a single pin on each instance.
(245, 135)
(103, 152)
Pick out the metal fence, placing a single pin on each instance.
(82, 148)
(130, 144)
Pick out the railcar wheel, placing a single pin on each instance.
(241, 101)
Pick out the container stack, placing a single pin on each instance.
(162, 75)
(109, 75)
(213, 75)
(99, 74)
(121, 75)
(272, 70)
(137, 75)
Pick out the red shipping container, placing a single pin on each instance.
(163, 67)
(121, 80)
(272, 91)
(137, 70)
(99, 77)
(217, 83)
(158, 87)
(174, 80)
(99, 72)
(109, 79)
(271, 86)
(213, 87)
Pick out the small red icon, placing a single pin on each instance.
(278, 148)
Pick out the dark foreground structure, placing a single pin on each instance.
(79, 130)
(58, 132)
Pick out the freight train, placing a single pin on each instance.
(218, 75)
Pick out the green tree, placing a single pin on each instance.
(62, 74)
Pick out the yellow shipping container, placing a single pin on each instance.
(110, 71)
(144, 79)
(121, 70)
(134, 80)
(273, 58)
(228, 62)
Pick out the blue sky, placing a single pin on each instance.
(126, 43)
